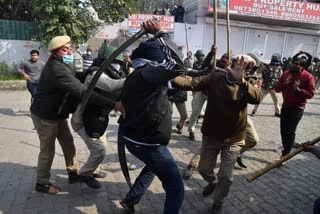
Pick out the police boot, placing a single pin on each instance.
(241, 163)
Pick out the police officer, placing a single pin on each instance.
(199, 97)
(270, 76)
(48, 112)
(92, 124)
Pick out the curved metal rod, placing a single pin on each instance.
(106, 64)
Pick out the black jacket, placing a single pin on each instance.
(145, 99)
(148, 114)
(56, 85)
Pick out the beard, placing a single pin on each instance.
(294, 69)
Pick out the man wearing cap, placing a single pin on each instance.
(251, 139)
(296, 85)
(224, 124)
(145, 129)
(199, 98)
(48, 112)
(270, 76)
(118, 65)
(93, 122)
(87, 59)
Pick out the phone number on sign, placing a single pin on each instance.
(275, 14)
(256, 10)
(300, 16)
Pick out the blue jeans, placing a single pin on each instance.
(289, 120)
(316, 206)
(159, 162)
(32, 88)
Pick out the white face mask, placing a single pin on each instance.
(116, 66)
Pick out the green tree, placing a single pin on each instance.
(72, 17)
(20, 10)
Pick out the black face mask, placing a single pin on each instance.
(275, 62)
(294, 69)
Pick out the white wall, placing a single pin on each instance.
(307, 43)
(195, 36)
(263, 42)
(245, 38)
(236, 36)
(14, 51)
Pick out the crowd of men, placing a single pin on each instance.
(178, 12)
(143, 89)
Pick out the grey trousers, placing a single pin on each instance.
(197, 103)
(95, 146)
(251, 141)
(48, 131)
(208, 160)
(274, 97)
(182, 109)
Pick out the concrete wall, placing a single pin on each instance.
(14, 51)
(264, 40)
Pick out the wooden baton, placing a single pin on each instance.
(278, 163)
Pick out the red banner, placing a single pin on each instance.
(276, 9)
(166, 22)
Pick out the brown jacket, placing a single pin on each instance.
(226, 112)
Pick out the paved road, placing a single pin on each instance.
(289, 189)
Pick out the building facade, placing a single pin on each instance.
(289, 27)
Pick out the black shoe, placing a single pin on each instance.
(191, 136)
(47, 188)
(241, 163)
(179, 128)
(128, 207)
(216, 209)
(90, 181)
(208, 189)
(253, 113)
(99, 175)
(187, 172)
(73, 177)
(277, 114)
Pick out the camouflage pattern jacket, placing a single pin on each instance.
(314, 69)
(271, 76)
